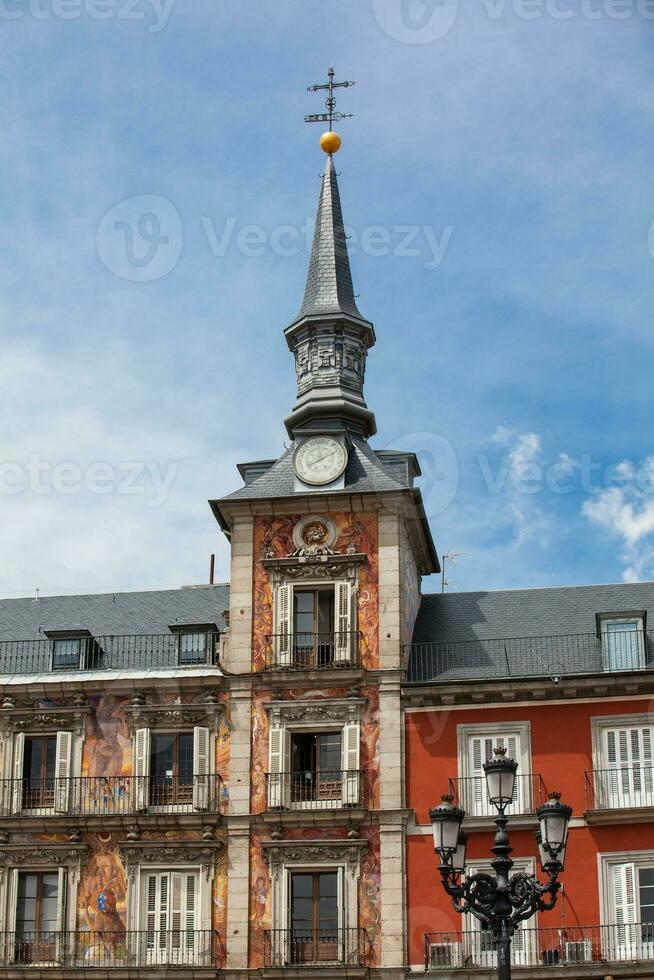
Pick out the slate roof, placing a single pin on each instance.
(329, 280)
(365, 473)
(523, 632)
(114, 613)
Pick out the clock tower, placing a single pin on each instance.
(329, 543)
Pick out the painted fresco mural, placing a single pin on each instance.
(409, 590)
(274, 536)
(369, 896)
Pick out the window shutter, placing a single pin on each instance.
(189, 916)
(142, 767)
(624, 902)
(348, 947)
(62, 937)
(201, 768)
(12, 901)
(278, 775)
(62, 771)
(474, 797)
(152, 893)
(283, 625)
(343, 640)
(630, 780)
(17, 787)
(350, 752)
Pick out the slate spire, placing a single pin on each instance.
(329, 280)
(329, 337)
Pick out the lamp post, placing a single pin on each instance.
(501, 901)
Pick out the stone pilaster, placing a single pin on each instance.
(238, 892)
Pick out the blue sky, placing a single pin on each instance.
(497, 181)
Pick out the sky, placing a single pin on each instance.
(158, 189)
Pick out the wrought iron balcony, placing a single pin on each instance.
(620, 789)
(313, 651)
(109, 796)
(449, 952)
(529, 656)
(137, 652)
(314, 790)
(175, 948)
(316, 948)
(471, 793)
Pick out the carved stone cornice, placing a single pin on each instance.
(37, 718)
(280, 853)
(205, 712)
(37, 855)
(134, 854)
(342, 710)
(315, 565)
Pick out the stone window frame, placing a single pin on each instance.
(140, 857)
(286, 857)
(67, 859)
(324, 715)
(35, 721)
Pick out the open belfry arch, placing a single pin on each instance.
(328, 545)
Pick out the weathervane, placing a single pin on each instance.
(330, 141)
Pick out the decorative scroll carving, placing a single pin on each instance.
(315, 565)
(280, 854)
(133, 854)
(28, 855)
(312, 712)
(36, 718)
(176, 715)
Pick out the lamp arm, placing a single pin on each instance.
(528, 896)
(477, 894)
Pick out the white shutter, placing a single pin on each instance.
(62, 771)
(283, 625)
(278, 775)
(142, 768)
(201, 766)
(350, 753)
(62, 938)
(193, 949)
(9, 947)
(623, 879)
(343, 621)
(18, 774)
(630, 780)
(480, 750)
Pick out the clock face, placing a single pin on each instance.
(320, 460)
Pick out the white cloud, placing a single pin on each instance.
(627, 513)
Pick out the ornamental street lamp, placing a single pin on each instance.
(502, 901)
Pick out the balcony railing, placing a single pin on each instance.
(530, 656)
(472, 794)
(106, 796)
(314, 790)
(107, 653)
(312, 651)
(316, 947)
(174, 948)
(569, 946)
(619, 789)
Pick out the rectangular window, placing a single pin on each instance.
(37, 917)
(623, 644)
(472, 788)
(313, 627)
(39, 769)
(627, 775)
(171, 768)
(66, 654)
(170, 917)
(192, 648)
(315, 917)
(316, 762)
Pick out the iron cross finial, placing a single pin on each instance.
(330, 101)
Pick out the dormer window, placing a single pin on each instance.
(73, 649)
(623, 640)
(195, 644)
(66, 654)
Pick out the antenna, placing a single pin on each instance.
(450, 556)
